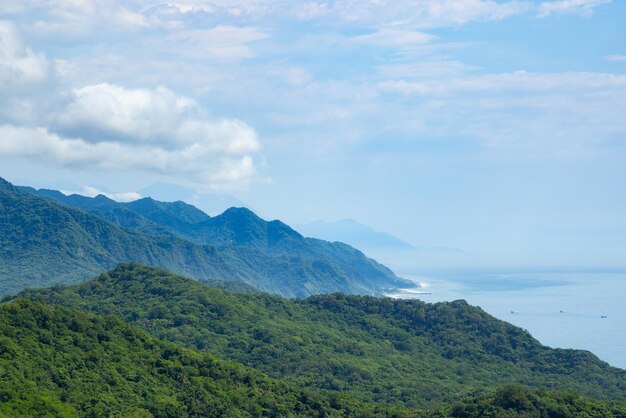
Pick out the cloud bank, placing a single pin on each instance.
(111, 127)
(19, 65)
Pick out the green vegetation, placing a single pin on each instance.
(56, 361)
(140, 341)
(398, 352)
(44, 242)
(516, 401)
(60, 362)
(326, 265)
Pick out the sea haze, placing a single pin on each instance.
(583, 310)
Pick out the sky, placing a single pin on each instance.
(494, 127)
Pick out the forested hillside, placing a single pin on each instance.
(518, 402)
(241, 228)
(60, 362)
(400, 352)
(45, 242)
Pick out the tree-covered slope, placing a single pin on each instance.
(59, 362)
(239, 227)
(402, 352)
(242, 228)
(43, 242)
(522, 402)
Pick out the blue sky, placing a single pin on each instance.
(495, 127)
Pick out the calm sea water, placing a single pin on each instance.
(567, 310)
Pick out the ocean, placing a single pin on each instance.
(568, 310)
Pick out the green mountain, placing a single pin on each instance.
(241, 228)
(44, 242)
(59, 362)
(399, 352)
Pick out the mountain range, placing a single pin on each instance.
(392, 251)
(211, 203)
(212, 341)
(52, 238)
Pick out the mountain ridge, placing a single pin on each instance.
(399, 352)
(58, 361)
(47, 240)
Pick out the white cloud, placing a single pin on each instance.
(560, 115)
(110, 127)
(109, 112)
(223, 42)
(191, 162)
(131, 19)
(395, 37)
(19, 65)
(370, 13)
(616, 58)
(312, 10)
(582, 7)
(253, 8)
(425, 13)
(25, 78)
(313, 81)
(91, 191)
(83, 17)
(515, 81)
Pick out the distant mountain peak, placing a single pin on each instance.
(146, 199)
(354, 233)
(210, 203)
(239, 212)
(103, 198)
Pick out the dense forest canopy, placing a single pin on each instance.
(400, 352)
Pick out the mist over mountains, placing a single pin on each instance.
(394, 252)
(353, 233)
